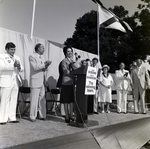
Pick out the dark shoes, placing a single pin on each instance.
(67, 120)
(43, 119)
(71, 118)
(141, 113)
(96, 113)
(2, 123)
(34, 120)
(121, 112)
(14, 121)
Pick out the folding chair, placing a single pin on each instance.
(18, 108)
(113, 105)
(52, 99)
(129, 100)
(23, 91)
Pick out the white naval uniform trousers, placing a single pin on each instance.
(9, 87)
(122, 89)
(8, 102)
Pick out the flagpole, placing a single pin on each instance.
(98, 42)
(33, 15)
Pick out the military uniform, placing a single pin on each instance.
(9, 83)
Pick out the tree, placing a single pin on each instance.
(115, 46)
(85, 34)
(140, 40)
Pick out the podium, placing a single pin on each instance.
(90, 104)
(81, 98)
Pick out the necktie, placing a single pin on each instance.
(138, 70)
(40, 59)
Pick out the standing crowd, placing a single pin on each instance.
(137, 80)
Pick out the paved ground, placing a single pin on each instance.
(26, 131)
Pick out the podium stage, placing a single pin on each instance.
(128, 135)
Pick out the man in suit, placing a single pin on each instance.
(123, 81)
(10, 66)
(37, 74)
(140, 78)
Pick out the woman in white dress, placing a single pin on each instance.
(105, 84)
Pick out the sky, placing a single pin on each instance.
(54, 19)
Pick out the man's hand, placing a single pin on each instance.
(17, 64)
(44, 69)
(47, 63)
(108, 86)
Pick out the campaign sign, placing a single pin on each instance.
(90, 86)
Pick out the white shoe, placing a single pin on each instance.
(103, 111)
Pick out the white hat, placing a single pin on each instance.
(106, 66)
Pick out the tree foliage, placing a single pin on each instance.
(141, 36)
(115, 46)
(84, 36)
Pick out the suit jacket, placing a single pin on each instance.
(67, 77)
(8, 73)
(140, 78)
(122, 82)
(36, 70)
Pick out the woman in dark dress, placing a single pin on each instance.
(67, 90)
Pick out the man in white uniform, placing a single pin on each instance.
(123, 81)
(10, 66)
(37, 74)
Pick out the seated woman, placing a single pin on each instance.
(105, 84)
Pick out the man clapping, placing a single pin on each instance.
(37, 74)
(10, 66)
